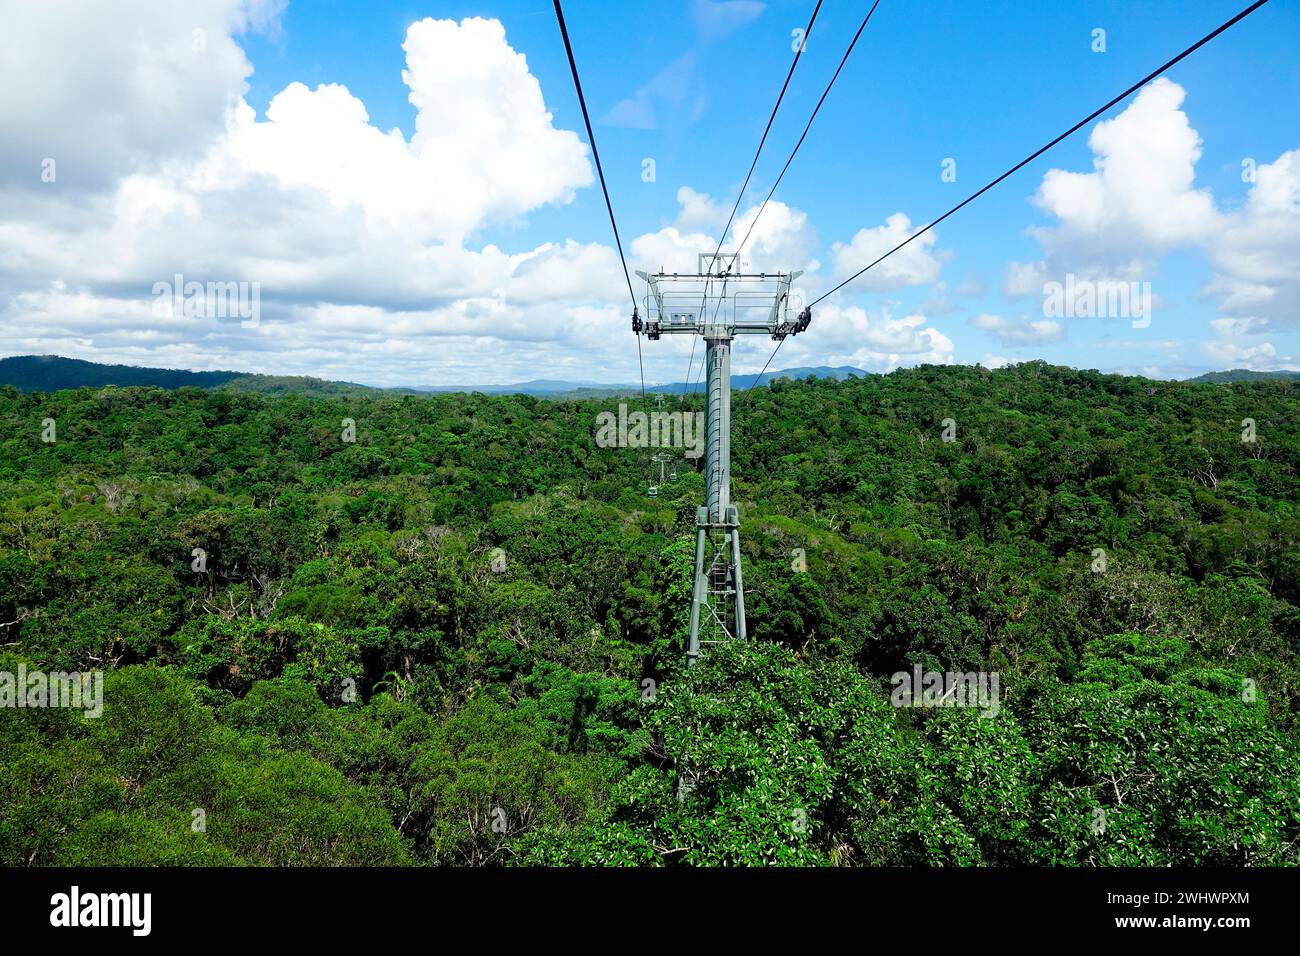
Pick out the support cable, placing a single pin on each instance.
(794, 152)
(803, 43)
(1025, 162)
(1039, 152)
(804, 135)
(591, 137)
(766, 365)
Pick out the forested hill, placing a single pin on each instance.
(1246, 375)
(458, 638)
(52, 373)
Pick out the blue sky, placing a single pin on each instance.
(689, 84)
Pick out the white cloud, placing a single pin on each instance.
(355, 235)
(700, 210)
(942, 299)
(1020, 332)
(914, 264)
(1262, 357)
(1138, 203)
(1140, 197)
(671, 249)
(1141, 202)
(782, 239)
(484, 147)
(1257, 253)
(1025, 279)
(675, 247)
(1227, 328)
(362, 238)
(105, 89)
(364, 343)
(1238, 343)
(852, 336)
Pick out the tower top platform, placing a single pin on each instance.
(721, 301)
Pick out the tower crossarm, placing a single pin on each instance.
(721, 304)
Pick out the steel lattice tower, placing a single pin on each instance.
(718, 303)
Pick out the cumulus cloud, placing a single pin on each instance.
(700, 210)
(850, 335)
(942, 300)
(1239, 343)
(484, 146)
(1141, 202)
(1020, 332)
(101, 108)
(363, 239)
(914, 264)
(356, 236)
(1140, 196)
(778, 241)
(1256, 255)
(375, 345)
(1261, 357)
(671, 249)
(781, 240)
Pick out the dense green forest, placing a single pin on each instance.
(459, 638)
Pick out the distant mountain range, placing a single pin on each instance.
(50, 373)
(559, 388)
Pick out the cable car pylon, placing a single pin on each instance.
(662, 458)
(745, 304)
